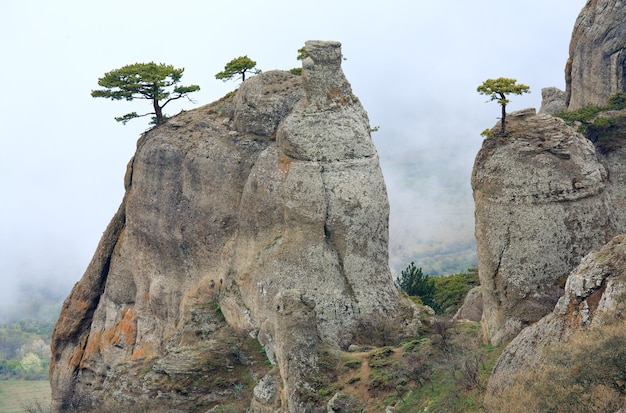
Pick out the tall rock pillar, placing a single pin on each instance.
(541, 205)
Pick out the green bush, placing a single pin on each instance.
(444, 294)
(606, 132)
(617, 101)
(450, 290)
(584, 114)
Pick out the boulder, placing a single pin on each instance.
(472, 308)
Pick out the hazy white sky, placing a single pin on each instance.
(414, 64)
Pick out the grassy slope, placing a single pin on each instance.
(15, 394)
(443, 369)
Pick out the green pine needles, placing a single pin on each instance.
(415, 283)
(157, 83)
(239, 66)
(498, 90)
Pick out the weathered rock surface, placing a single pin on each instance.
(594, 295)
(541, 205)
(552, 101)
(269, 207)
(614, 160)
(597, 54)
(472, 308)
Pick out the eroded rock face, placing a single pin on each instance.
(541, 205)
(552, 101)
(596, 66)
(594, 295)
(269, 207)
(616, 167)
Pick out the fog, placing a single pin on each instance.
(414, 65)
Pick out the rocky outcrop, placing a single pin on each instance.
(472, 308)
(268, 207)
(594, 296)
(552, 101)
(597, 54)
(541, 205)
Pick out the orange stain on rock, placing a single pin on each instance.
(93, 346)
(284, 163)
(77, 357)
(124, 332)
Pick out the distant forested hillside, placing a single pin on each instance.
(25, 330)
(432, 212)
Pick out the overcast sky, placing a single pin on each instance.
(414, 64)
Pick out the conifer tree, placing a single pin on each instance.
(498, 89)
(238, 66)
(157, 83)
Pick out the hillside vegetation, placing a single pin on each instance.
(605, 126)
(25, 330)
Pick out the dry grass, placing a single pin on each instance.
(15, 395)
(585, 375)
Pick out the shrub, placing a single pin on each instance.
(378, 330)
(36, 406)
(605, 131)
(419, 369)
(450, 290)
(584, 114)
(616, 101)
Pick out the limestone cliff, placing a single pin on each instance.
(541, 205)
(596, 67)
(268, 207)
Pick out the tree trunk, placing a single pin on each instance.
(158, 111)
(503, 122)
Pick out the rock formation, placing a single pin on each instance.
(594, 296)
(541, 205)
(268, 207)
(552, 101)
(597, 54)
(546, 198)
(472, 308)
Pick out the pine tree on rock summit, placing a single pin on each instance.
(498, 89)
(238, 66)
(155, 82)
